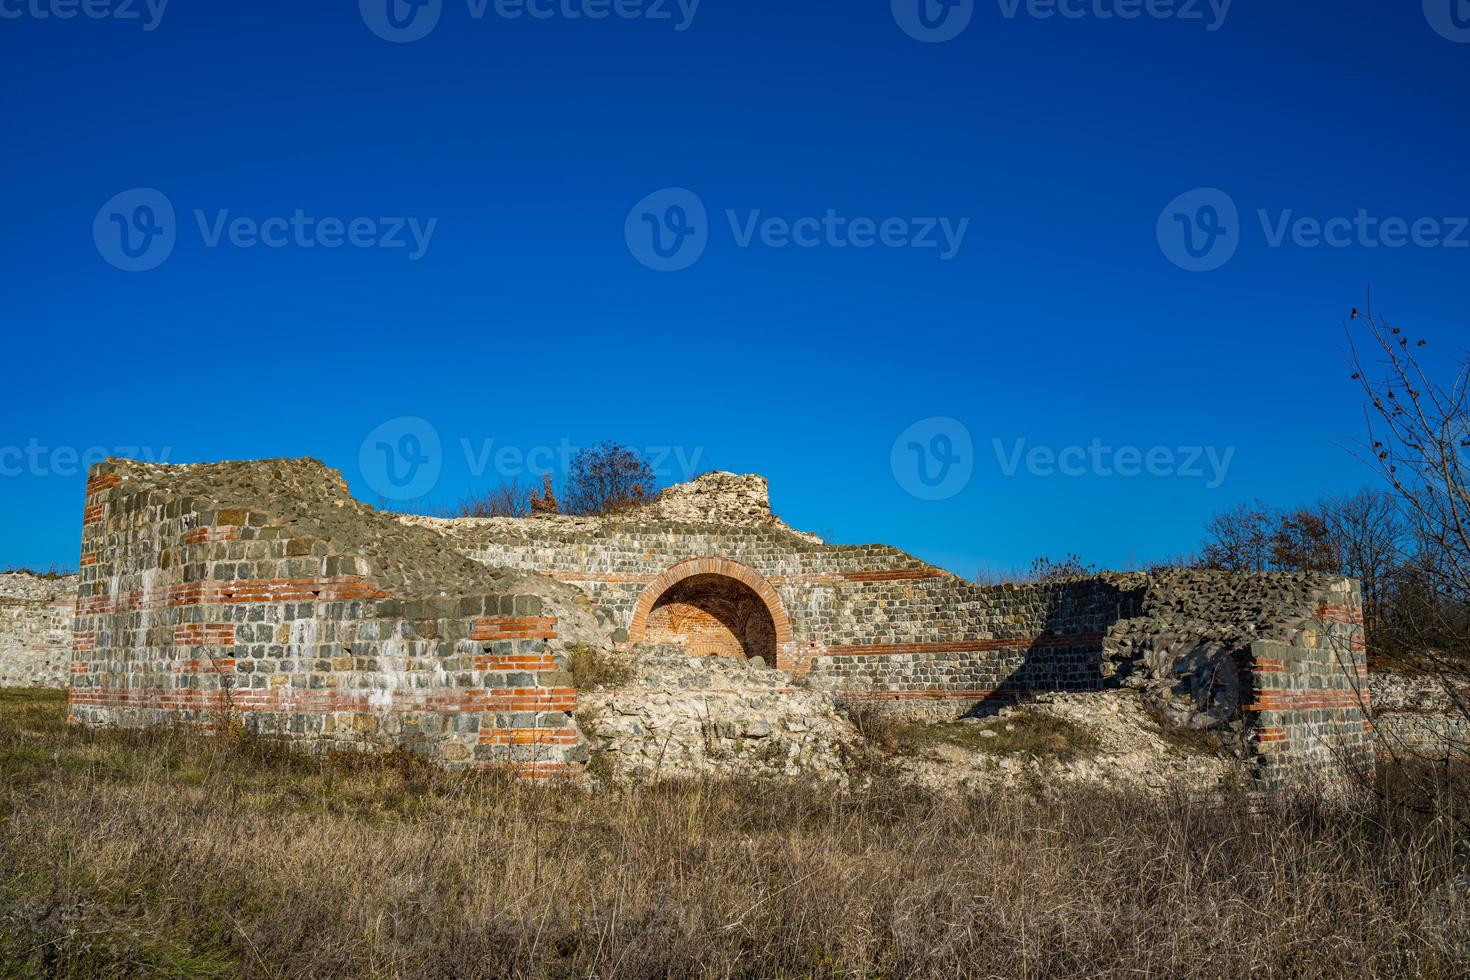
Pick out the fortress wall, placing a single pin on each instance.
(979, 646)
(35, 629)
(1280, 658)
(836, 595)
(260, 595)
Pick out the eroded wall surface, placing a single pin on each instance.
(35, 629)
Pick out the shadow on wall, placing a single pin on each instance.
(1065, 625)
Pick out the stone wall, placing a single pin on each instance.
(1421, 716)
(35, 629)
(262, 595)
(1274, 661)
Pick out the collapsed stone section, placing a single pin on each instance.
(1277, 661)
(262, 595)
(696, 716)
(35, 629)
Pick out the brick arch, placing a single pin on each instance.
(745, 575)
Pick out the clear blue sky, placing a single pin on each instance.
(530, 320)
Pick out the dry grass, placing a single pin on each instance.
(164, 855)
(592, 669)
(53, 573)
(1190, 741)
(1020, 733)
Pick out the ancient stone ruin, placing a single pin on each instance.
(261, 594)
(35, 629)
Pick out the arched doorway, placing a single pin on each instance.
(713, 607)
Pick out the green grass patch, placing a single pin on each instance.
(1020, 733)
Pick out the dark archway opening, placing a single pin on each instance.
(713, 616)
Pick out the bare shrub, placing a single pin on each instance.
(592, 669)
(51, 574)
(507, 500)
(607, 478)
(878, 725)
(1041, 569)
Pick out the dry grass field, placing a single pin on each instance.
(131, 854)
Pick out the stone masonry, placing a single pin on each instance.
(261, 594)
(35, 629)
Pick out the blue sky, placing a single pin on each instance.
(531, 152)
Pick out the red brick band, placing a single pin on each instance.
(984, 694)
(1340, 614)
(200, 535)
(102, 481)
(336, 589)
(823, 578)
(964, 646)
(205, 634)
(1278, 700)
(494, 628)
(529, 736)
